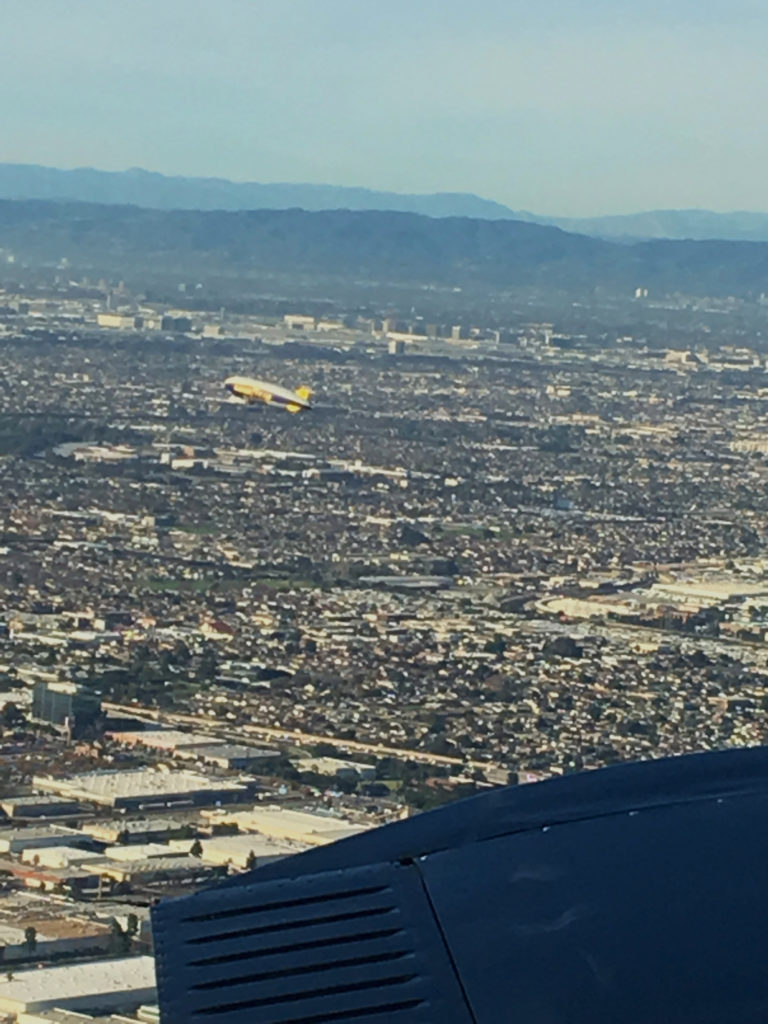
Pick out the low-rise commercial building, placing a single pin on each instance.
(136, 830)
(119, 321)
(229, 756)
(153, 869)
(300, 827)
(37, 837)
(241, 851)
(58, 856)
(102, 985)
(336, 766)
(39, 807)
(143, 789)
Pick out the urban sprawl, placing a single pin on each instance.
(492, 552)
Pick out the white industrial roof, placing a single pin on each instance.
(233, 846)
(57, 1016)
(165, 739)
(59, 856)
(172, 862)
(101, 828)
(50, 985)
(140, 851)
(34, 801)
(106, 786)
(709, 589)
(330, 765)
(39, 832)
(299, 826)
(10, 936)
(231, 751)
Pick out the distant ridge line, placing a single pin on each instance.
(152, 190)
(372, 247)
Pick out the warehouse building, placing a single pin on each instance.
(300, 827)
(239, 850)
(58, 856)
(169, 740)
(144, 1014)
(54, 937)
(96, 986)
(119, 321)
(141, 851)
(231, 756)
(136, 830)
(37, 837)
(73, 880)
(336, 766)
(173, 866)
(143, 788)
(192, 746)
(40, 807)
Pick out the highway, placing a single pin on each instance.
(295, 736)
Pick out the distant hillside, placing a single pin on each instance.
(697, 225)
(154, 191)
(160, 192)
(374, 246)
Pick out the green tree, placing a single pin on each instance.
(208, 666)
(346, 783)
(30, 939)
(119, 940)
(497, 645)
(324, 749)
(196, 849)
(11, 717)
(181, 653)
(250, 861)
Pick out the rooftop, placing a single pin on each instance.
(48, 986)
(114, 785)
(298, 826)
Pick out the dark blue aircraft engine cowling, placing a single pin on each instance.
(635, 894)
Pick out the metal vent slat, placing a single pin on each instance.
(358, 945)
(275, 931)
(355, 930)
(291, 987)
(355, 1002)
(363, 946)
(302, 970)
(284, 899)
(254, 920)
(403, 1011)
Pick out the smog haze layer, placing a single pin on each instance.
(561, 109)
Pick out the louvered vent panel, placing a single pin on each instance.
(357, 945)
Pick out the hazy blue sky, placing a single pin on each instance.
(556, 106)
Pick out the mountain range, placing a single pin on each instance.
(162, 192)
(158, 191)
(368, 246)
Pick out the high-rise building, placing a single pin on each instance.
(65, 704)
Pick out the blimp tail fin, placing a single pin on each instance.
(294, 408)
(304, 393)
